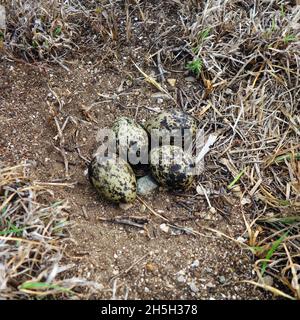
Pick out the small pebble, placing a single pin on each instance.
(125, 206)
(143, 208)
(177, 254)
(172, 82)
(181, 279)
(208, 269)
(163, 227)
(146, 185)
(151, 267)
(222, 279)
(193, 287)
(190, 79)
(268, 280)
(210, 285)
(195, 264)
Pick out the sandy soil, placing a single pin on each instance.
(142, 263)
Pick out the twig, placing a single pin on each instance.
(154, 82)
(61, 145)
(130, 267)
(160, 68)
(127, 221)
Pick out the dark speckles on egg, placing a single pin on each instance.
(175, 167)
(113, 178)
(174, 122)
(131, 138)
(170, 166)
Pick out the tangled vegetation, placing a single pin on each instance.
(33, 235)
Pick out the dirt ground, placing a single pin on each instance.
(141, 264)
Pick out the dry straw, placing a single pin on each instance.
(33, 235)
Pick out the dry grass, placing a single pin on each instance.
(33, 236)
(276, 242)
(250, 75)
(41, 30)
(245, 56)
(51, 31)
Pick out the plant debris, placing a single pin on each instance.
(33, 233)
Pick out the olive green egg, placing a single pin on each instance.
(113, 178)
(176, 123)
(172, 167)
(131, 140)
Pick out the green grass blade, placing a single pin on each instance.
(289, 38)
(236, 179)
(270, 253)
(287, 156)
(34, 285)
(204, 34)
(195, 66)
(285, 220)
(12, 230)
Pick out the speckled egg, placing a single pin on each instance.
(131, 140)
(113, 178)
(171, 166)
(177, 123)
